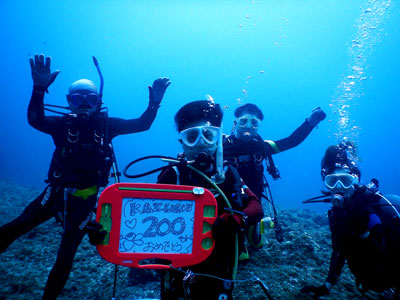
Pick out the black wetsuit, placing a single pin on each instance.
(80, 165)
(220, 263)
(249, 156)
(366, 234)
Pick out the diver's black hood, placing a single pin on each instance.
(340, 156)
(201, 110)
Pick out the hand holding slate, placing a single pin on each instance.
(226, 224)
(96, 232)
(316, 291)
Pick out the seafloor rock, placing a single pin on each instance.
(301, 259)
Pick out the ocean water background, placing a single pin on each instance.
(287, 57)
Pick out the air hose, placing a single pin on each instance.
(318, 199)
(228, 204)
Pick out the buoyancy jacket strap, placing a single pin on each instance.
(84, 193)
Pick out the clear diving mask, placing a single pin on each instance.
(346, 181)
(209, 134)
(247, 121)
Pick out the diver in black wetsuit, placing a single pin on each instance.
(246, 150)
(80, 165)
(199, 125)
(365, 226)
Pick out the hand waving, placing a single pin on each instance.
(41, 73)
(317, 115)
(157, 90)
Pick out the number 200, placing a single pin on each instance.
(163, 227)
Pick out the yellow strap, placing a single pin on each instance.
(273, 145)
(84, 194)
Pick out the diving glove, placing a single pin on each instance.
(316, 291)
(41, 73)
(316, 116)
(157, 91)
(97, 233)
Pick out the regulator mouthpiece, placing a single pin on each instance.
(337, 200)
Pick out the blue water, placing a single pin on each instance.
(285, 56)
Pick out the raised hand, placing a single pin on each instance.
(156, 92)
(317, 115)
(41, 73)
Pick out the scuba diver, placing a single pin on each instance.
(364, 224)
(80, 164)
(199, 125)
(247, 151)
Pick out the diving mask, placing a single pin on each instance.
(248, 121)
(345, 180)
(191, 136)
(90, 100)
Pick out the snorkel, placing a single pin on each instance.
(85, 112)
(219, 177)
(96, 63)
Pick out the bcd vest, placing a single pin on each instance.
(83, 155)
(248, 157)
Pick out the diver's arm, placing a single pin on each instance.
(375, 237)
(42, 78)
(253, 210)
(36, 117)
(120, 126)
(156, 93)
(297, 137)
(335, 268)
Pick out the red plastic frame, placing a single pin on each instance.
(115, 194)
